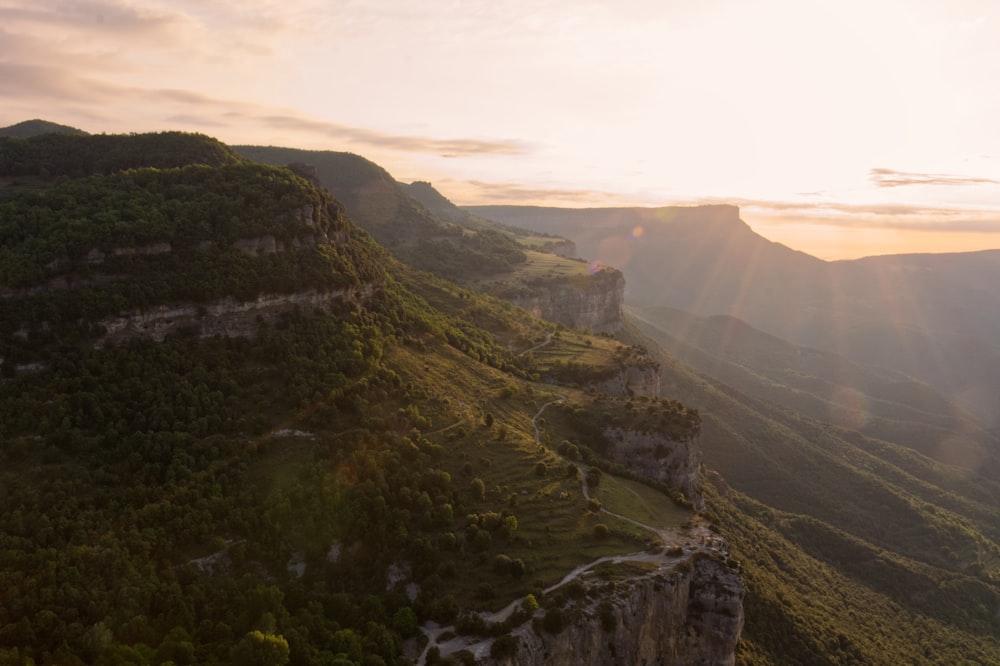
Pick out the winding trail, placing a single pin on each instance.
(699, 539)
(548, 340)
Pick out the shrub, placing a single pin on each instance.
(501, 563)
(602, 531)
(593, 476)
(554, 621)
(504, 647)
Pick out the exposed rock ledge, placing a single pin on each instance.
(633, 381)
(655, 456)
(671, 619)
(227, 317)
(594, 303)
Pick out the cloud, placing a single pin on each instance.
(900, 217)
(104, 15)
(891, 178)
(47, 83)
(397, 142)
(475, 192)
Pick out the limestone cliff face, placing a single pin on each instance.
(676, 618)
(226, 317)
(594, 302)
(675, 462)
(633, 381)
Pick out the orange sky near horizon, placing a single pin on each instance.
(842, 129)
(832, 242)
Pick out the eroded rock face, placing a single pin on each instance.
(226, 317)
(634, 381)
(675, 462)
(683, 617)
(594, 303)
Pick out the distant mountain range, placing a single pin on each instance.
(934, 317)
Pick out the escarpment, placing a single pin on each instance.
(227, 317)
(592, 302)
(640, 379)
(674, 616)
(659, 457)
(179, 258)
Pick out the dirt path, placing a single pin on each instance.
(548, 340)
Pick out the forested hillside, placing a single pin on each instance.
(397, 221)
(308, 487)
(235, 429)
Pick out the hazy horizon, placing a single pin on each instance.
(843, 131)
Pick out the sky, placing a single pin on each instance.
(842, 129)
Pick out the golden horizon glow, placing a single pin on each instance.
(863, 107)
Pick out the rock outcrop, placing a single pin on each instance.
(226, 317)
(692, 614)
(653, 455)
(592, 302)
(633, 381)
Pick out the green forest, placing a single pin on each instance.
(241, 499)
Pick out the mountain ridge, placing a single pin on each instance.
(306, 486)
(391, 442)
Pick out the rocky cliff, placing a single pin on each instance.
(654, 455)
(594, 302)
(691, 614)
(227, 317)
(633, 381)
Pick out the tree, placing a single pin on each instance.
(348, 643)
(260, 649)
(504, 646)
(593, 476)
(478, 488)
(405, 622)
